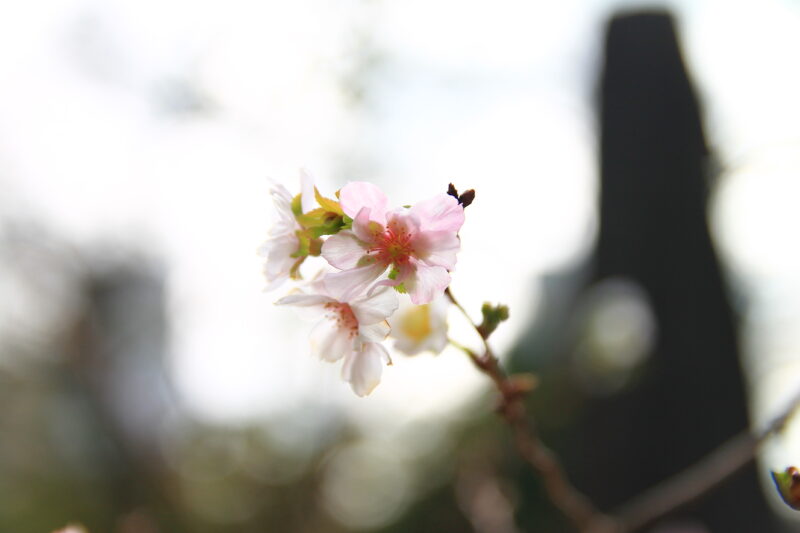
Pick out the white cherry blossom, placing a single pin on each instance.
(420, 328)
(348, 327)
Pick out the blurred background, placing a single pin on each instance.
(636, 168)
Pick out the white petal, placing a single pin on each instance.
(363, 369)
(307, 198)
(437, 248)
(330, 342)
(279, 259)
(279, 193)
(304, 300)
(282, 200)
(346, 285)
(376, 307)
(343, 250)
(309, 307)
(374, 332)
(419, 328)
(426, 283)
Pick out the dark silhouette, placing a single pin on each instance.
(688, 396)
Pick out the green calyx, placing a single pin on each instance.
(327, 219)
(400, 287)
(493, 315)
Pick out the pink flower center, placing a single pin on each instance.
(344, 317)
(393, 246)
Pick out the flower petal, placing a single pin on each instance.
(440, 213)
(437, 248)
(304, 300)
(375, 307)
(419, 328)
(346, 285)
(365, 229)
(403, 221)
(374, 332)
(282, 200)
(329, 341)
(426, 283)
(279, 261)
(358, 194)
(363, 369)
(280, 194)
(307, 198)
(309, 307)
(343, 250)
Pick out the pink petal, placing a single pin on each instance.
(405, 270)
(426, 283)
(363, 369)
(376, 307)
(343, 250)
(440, 213)
(330, 342)
(437, 248)
(365, 229)
(358, 194)
(349, 284)
(403, 221)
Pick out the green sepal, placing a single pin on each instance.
(303, 244)
(492, 316)
(319, 222)
(347, 222)
(313, 218)
(393, 273)
(401, 288)
(329, 205)
(297, 206)
(294, 272)
(329, 226)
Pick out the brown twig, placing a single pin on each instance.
(643, 510)
(571, 502)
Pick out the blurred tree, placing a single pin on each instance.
(685, 394)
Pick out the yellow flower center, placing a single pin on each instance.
(416, 323)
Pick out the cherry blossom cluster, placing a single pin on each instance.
(372, 254)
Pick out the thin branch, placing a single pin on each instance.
(654, 503)
(696, 480)
(571, 502)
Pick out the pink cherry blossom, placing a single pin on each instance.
(349, 327)
(419, 243)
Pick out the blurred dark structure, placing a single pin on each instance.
(688, 396)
